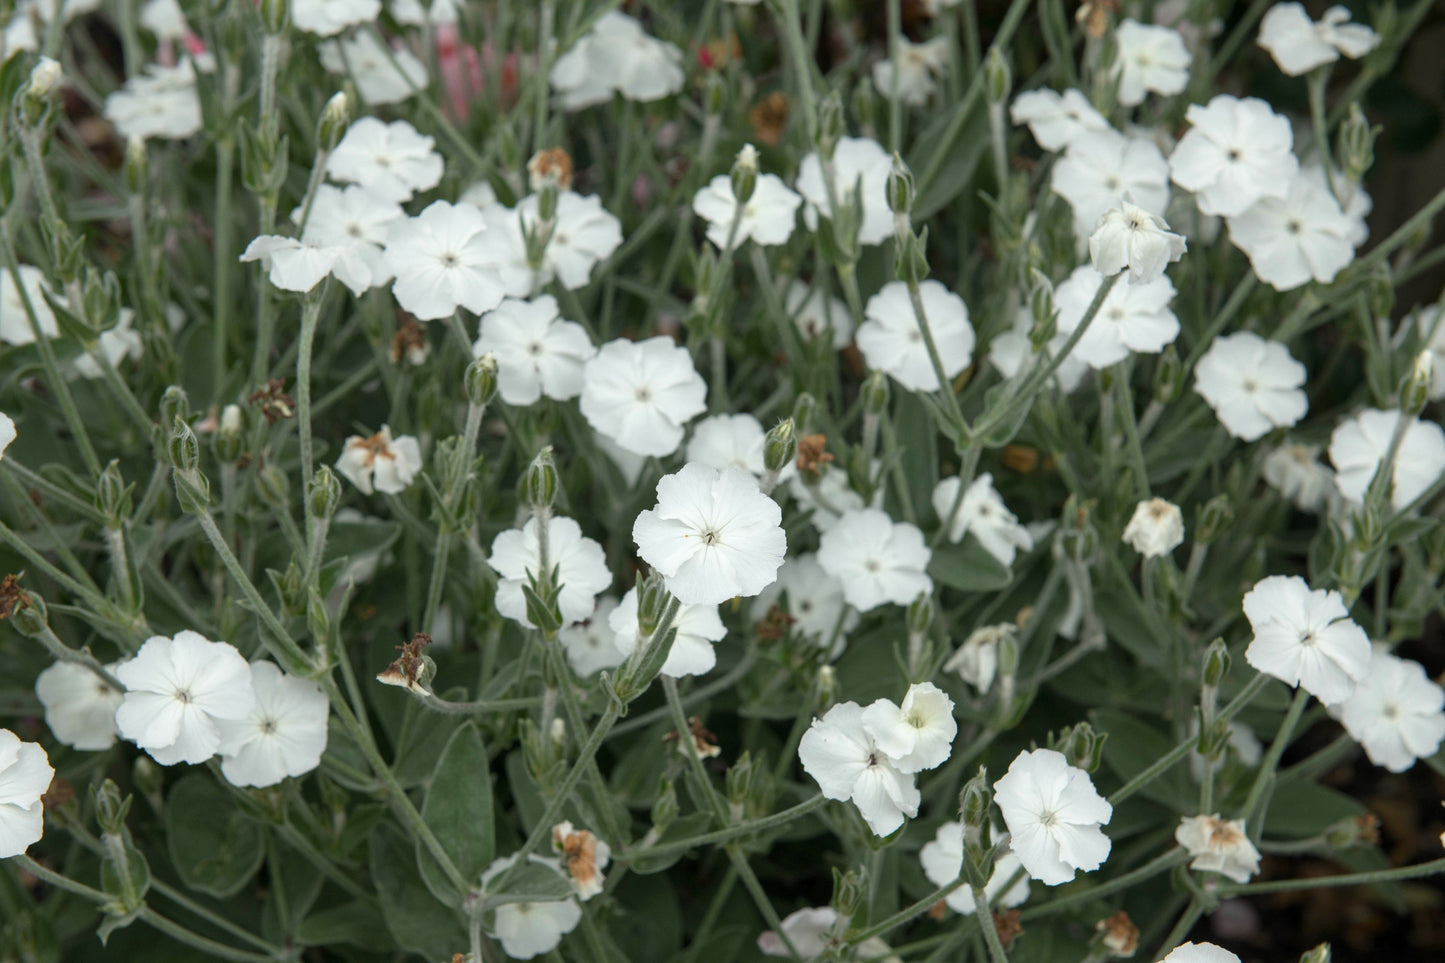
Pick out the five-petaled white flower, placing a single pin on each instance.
(528, 929)
(942, 859)
(392, 160)
(380, 462)
(728, 441)
(640, 394)
(79, 705)
(178, 693)
(1359, 444)
(877, 560)
(580, 564)
(1305, 637)
(1296, 472)
(842, 757)
(284, 735)
(1102, 167)
(1218, 846)
(162, 102)
(616, 56)
(1301, 237)
(25, 774)
(1151, 59)
(919, 66)
(983, 514)
(1130, 237)
(15, 318)
(1200, 953)
(442, 260)
(713, 535)
(1253, 385)
(1156, 528)
(1299, 45)
(1056, 120)
(1053, 815)
(589, 643)
(767, 218)
(698, 627)
(1133, 317)
(382, 76)
(1235, 153)
(537, 352)
(1395, 712)
(917, 735)
(892, 341)
(815, 314)
(857, 162)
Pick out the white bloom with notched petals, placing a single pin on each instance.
(1151, 59)
(1358, 445)
(616, 56)
(326, 18)
(1295, 471)
(25, 774)
(1200, 953)
(728, 441)
(1133, 317)
(1155, 529)
(580, 564)
(919, 67)
(392, 160)
(877, 560)
(713, 535)
(79, 705)
(1301, 237)
(589, 644)
(1395, 712)
(1235, 153)
(983, 514)
(942, 859)
(640, 394)
(381, 462)
(810, 930)
(1056, 120)
(857, 161)
(918, 734)
(537, 352)
(698, 627)
(892, 341)
(1130, 237)
(842, 757)
(528, 929)
(442, 260)
(15, 326)
(1299, 44)
(1100, 168)
(767, 218)
(1218, 846)
(1253, 385)
(284, 735)
(1054, 815)
(814, 314)
(162, 102)
(1305, 637)
(382, 76)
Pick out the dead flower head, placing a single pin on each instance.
(704, 740)
(1118, 934)
(811, 453)
(550, 167)
(12, 597)
(409, 671)
(275, 403)
(586, 856)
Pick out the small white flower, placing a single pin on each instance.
(640, 394)
(392, 160)
(1430, 328)
(589, 644)
(165, 19)
(162, 102)
(942, 860)
(814, 314)
(842, 757)
(855, 160)
(1011, 351)
(1359, 444)
(326, 18)
(616, 56)
(1395, 712)
(115, 344)
(7, 433)
(1294, 239)
(1151, 59)
(767, 219)
(891, 340)
(1305, 637)
(919, 67)
(380, 462)
(1296, 472)
(284, 735)
(983, 514)
(19, 34)
(728, 441)
(25, 774)
(584, 856)
(442, 260)
(1133, 317)
(877, 560)
(537, 352)
(830, 496)
(1200, 953)
(1102, 167)
(580, 563)
(1299, 45)
(809, 930)
(1235, 153)
(585, 234)
(1218, 846)
(698, 627)
(1253, 385)
(814, 600)
(1156, 528)
(1241, 741)
(1053, 815)
(713, 535)
(178, 693)
(413, 13)
(14, 319)
(1056, 120)
(976, 661)
(1130, 237)
(917, 735)
(79, 705)
(526, 930)
(381, 77)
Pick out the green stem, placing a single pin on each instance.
(990, 929)
(478, 708)
(1097, 891)
(728, 834)
(1433, 868)
(222, 260)
(1258, 800)
(1181, 929)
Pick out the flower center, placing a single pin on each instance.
(1250, 385)
(381, 160)
(915, 719)
(643, 394)
(1391, 711)
(268, 727)
(1235, 154)
(450, 259)
(1308, 639)
(710, 537)
(1295, 227)
(1048, 818)
(1112, 183)
(354, 230)
(535, 349)
(1116, 314)
(873, 565)
(184, 696)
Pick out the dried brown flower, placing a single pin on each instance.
(1009, 926)
(274, 403)
(769, 118)
(409, 342)
(1119, 934)
(405, 671)
(811, 453)
(1094, 15)
(12, 597)
(552, 166)
(703, 739)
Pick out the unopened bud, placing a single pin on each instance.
(112, 495)
(714, 93)
(1213, 518)
(325, 493)
(175, 403)
(137, 165)
(539, 482)
(33, 100)
(1381, 291)
(863, 99)
(1216, 663)
(827, 687)
(739, 779)
(184, 449)
(975, 801)
(111, 808)
(274, 15)
(875, 393)
(335, 117)
(1082, 746)
(920, 614)
(480, 380)
(1320, 954)
(652, 599)
(744, 175)
(1415, 386)
(1168, 376)
(780, 446)
(664, 807)
(28, 614)
(1356, 144)
(850, 889)
(803, 409)
(997, 77)
(901, 192)
(229, 439)
(830, 123)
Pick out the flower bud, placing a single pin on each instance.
(875, 393)
(539, 482)
(901, 192)
(664, 807)
(28, 613)
(546, 211)
(803, 409)
(480, 380)
(744, 175)
(274, 487)
(997, 77)
(863, 101)
(1216, 663)
(229, 439)
(184, 449)
(550, 167)
(137, 165)
(652, 599)
(1380, 290)
(1082, 746)
(740, 776)
(335, 117)
(1356, 144)
(33, 99)
(1213, 518)
(112, 495)
(325, 493)
(714, 93)
(780, 446)
(1320, 954)
(175, 403)
(1415, 386)
(975, 801)
(850, 889)
(831, 124)
(318, 620)
(111, 808)
(920, 614)
(274, 15)
(827, 687)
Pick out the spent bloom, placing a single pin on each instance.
(840, 754)
(1235, 153)
(942, 859)
(1102, 167)
(1218, 846)
(528, 929)
(877, 559)
(640, 394)
(856, 161)
(1056, 120)
(1305, 637)
(1156, 528)
(584, 856)
(767, 218)
(79, 705)
(284, 735)
(1053, 814)
(616, 56)
(1359, 444)
(1253, 385)
(381, 462)
(1130, 237)
(698, 627)
(983, 514)
(179, 692)
(25, 774)
(442, 260)
(917, 735)
(392, 160)
(1297, 238)
(537, 352)
(1151, 59)
(581, 569)
(1396, 712)
(1299, 44)
(891, 340)
(713, 535)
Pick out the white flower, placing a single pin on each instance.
(328, 17)
(1133, 317)
(1156, 528)
(767, 219)
(165, 19)
(1218, 846)
(855, 160)
(344, 231)
(1305, 638)
(1241, 739)
(537, 352)
(589, 644)
(381, 462)
(284, 735)
(178, 693)
(877, 560)
(698, 627)
(713, 535)
(1430, 328)
(1053, 815)
(115, 344)
(380, 78)
(1395, 712)
(917, 735)
(585, 234)
(7, 433)
(976, 661)
(295, 265)
(808, 930)
(1299, 45)
(617, 55)
(1102, 167)
(526, 930)
(640, 394)
(162, 102)
(838, 752)
(414, 13)
(814, 601)
(581, 568)
(942, 860)
(1354, 201)
(891, 341)
(586, 858)
(1296, 472)
(919, 66)
(1056, 120)
(1291, 240)
(25, 775)
(392, 160)
(1200, 953)
(1010, 351)
(19, 34)
(728, 441)
(1358, 445)
(1235, 153)
(79, 705)
(1130, 237)
(982, 513)
(14, 319)
(441, 260)
(1150, 59)
(830, 496)
(814, 314)
(1253, 385)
